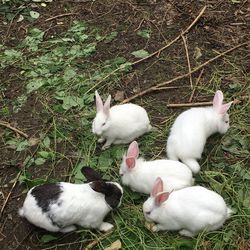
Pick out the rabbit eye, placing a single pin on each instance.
(104, 124)
(226, 121)
(148, 213)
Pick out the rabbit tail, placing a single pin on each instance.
(21, 212)
(229, 212)
(149, 128)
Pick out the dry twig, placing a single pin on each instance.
(196, 104)
(95, 242)
(188, 60)
(61, 15)
(7, 125)
(157, 86)
(174, 40)
(193, 104)
(154, 53)
(8, 196)
(196, 83)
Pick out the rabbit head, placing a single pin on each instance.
(157, 197)
(129, 161)
(221, 110)
(112, 191)
(102, 120)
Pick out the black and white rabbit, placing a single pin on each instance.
(61, 206)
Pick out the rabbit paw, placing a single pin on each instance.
(105, 227)
(101, 139)
(68, 229)
(187, 233)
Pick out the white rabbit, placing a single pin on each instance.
(189, 210)
(140, 175)
(59, 207)
(191, 129)
(120, 124)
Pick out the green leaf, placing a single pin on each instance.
(140, 53)
(48, 238)
(40, 161)
(46, 142)
(35, 84)
(77, 173)
(69, 73)
(111, 36)
(144, 33)
(34, 14)
(22, 145)
(105, 161)
(71, 101)
(44, 154)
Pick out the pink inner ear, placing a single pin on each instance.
(158, 187)
(130, 162)
(224, 108)
(106, 106)
(160, 198)
(98, 102)
(218, 99)
(133, 150)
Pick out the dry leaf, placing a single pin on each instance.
(149, 225)
(34, 141)
(115, 245)
(197, 53)
(119, 96)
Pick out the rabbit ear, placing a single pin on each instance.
(160, 198)
(130, 162)
(217, 103)
(98, 102)
(218, 99)
(99, 186)
(106, 106)
(224, 108)
(133, 150)
(91, 174)
(158, 187)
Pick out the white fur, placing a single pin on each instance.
(80, 205)
(142, 176)
(191, 129)
(188, 211)
(120, 124)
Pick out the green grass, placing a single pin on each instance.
(61, 74)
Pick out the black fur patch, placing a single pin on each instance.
(91, 174)
(113, 195)
(46, 194)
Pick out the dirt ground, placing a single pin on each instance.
(222, 26)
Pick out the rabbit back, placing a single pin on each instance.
(175, 175)
(194, 209)
(128, 121)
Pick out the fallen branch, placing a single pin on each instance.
(188, 60)
(192, 104)
(62, 15)
(174, 40)
(154, 53)
(95, 242)
(196, 104)
(196, 83)
(157, 86)
(8, 196)
(7, 125)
